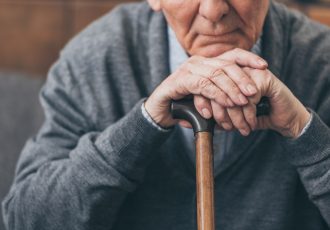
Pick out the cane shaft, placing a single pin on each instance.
(204, 181)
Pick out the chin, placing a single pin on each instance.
(213, 50)
(216, 48)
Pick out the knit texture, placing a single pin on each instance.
(97, 163)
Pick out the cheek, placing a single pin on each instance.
(252, 13)
(249, 7)
(175, 8)
(179, 13)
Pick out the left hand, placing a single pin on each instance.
(288, 116)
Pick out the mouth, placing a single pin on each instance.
(218, 34)
(228, 37)
(219, 41)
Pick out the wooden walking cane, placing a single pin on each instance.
(203, 130)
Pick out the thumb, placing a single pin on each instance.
(244, 58)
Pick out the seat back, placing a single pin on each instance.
(20, 118)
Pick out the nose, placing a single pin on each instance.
(213, 10)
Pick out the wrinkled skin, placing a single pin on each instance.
(221, 74)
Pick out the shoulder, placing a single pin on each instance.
(303, 47)
(300, 34)
(95, 60)
(308, 38)
(106, 42)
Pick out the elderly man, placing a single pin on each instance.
(109, 155)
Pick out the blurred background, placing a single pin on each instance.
(32, 32)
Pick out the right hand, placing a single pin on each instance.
(220, 80)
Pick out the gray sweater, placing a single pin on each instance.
(97, 163)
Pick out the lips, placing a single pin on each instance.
(218, 34)
(224, 37)
(229, 38)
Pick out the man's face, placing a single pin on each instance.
(211, 27)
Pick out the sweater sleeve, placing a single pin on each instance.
(71, 177)
(310, 154)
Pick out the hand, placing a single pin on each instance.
(287, 116)
(218, 79)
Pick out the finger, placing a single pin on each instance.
(203, 106)
(234, 81)
(250, 112)
(242, 80)
(263, 79)
(232, 94)
(244, 58)
(199, 85)
(228, 126)
(184, 83)
(237, 118)
(227, 85)
(221, 116)
(185, 124)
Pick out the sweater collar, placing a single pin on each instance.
(275, 38)
(157, 50)
(274, 46)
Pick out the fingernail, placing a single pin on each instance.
(242, 99)
(245, 132)
(206, 113)
(251, 89)
(262, 62)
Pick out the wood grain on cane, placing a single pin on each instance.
(205, 181)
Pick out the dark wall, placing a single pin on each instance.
(32, 31)
(20, 117)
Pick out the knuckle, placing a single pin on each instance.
(216, 74)
(244, 78)
(204, 83)
(268, 77)
(243, 81)
(225, 65)
(235, 89)
(222, 99)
